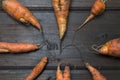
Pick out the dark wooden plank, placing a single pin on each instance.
(76, 74)
(103, 27)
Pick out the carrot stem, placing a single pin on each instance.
(96, 48)
(104, 1)
(90, 17)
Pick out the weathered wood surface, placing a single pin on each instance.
(98, 31)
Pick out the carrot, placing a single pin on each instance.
(20, 12)
(61, 8)
(97, 8)
(6, 47)
(59, 75)
(37, 69)
(67, 75)
(95, 73)
(111, 48)
(63, 76)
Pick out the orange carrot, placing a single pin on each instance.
(61, 8)
(37, 69)
(111, 48)
(95, 73)
(20, 12)
(97, 8)
(67, 75)
(6, 47)
(59, 75)
(63, 76)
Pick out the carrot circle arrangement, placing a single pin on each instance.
(61, 8)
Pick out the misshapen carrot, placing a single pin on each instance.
(97, 8)
(111, 48)
(67, 74)
(63, 76)
(7, 47)
(95, 73)
(20, 12)
(37, 69)
(61, 8)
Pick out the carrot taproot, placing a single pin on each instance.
(111, 48)
(10, 47)
(61, 8)
(37, 69)
(67, 75)
(94, 72)
(20, 12)
(59, 75)
(97, 8)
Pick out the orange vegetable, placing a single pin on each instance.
(63, 76)
(95, 73)
(20, 12)
(37, 69)
(97, 8)
(61, 8)
(6, 47)
(111, 48)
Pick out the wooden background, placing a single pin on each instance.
(98, 31)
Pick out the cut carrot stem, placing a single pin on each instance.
(37, 69)
(95, 73)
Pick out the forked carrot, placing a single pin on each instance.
(97, 8)
(61, 8)
(95, 73)
(20, 12)
(63, 76)
(37, 69)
